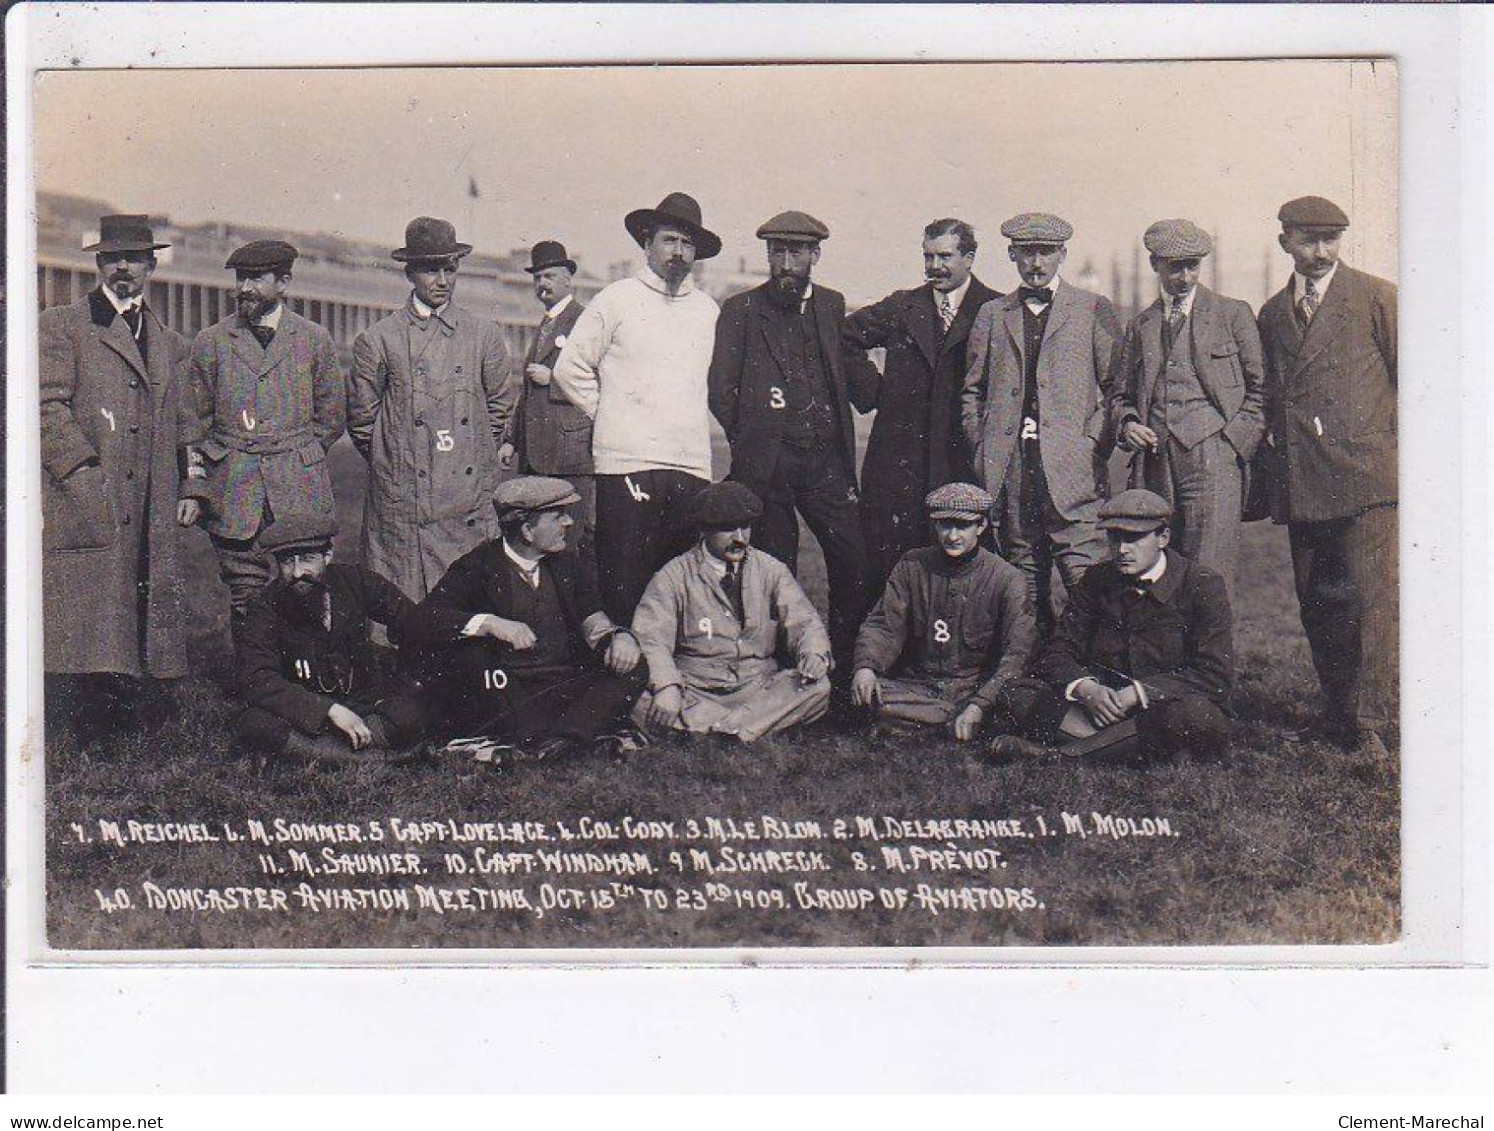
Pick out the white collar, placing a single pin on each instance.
(1185, 303)
(955, 296)
(530, 569)
(1319, 286)
(1052, 286)
(422, 311)
(272, 319)
(555, 311)
(653, 282)
(122, 305)
(1154, 574)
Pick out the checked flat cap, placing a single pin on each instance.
(1177, 239)
(726, 504)
(1137, 511)
(958, 500)
(1037, 227)
(297, 533)
(261, 256)
(794, 225)
(1312, 212)
(525, 494)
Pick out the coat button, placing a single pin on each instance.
(134, 384)
(469, 471)
(130, 474)
(125, 521)
(1014, 392)
(422, 473)
(420, 422)
(472, 522)
(464, 420)
(134, 427)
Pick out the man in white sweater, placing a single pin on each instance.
(637, 362)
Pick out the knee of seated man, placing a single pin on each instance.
(1192, 722)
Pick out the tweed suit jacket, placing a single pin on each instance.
(553, 436)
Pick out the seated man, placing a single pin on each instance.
(952, 627)
(710, 624)
(1142, 662)
(516, 640)
(317, 687)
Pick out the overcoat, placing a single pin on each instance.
(430, 402)
(916, 443)
(110, 436)
(1330, 401)
(551, 435)
(263, 420)
(749, 373)
(1073, 375)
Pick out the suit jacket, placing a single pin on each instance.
(111, 433)
(1226, 352)
(1074, 367)
(264, 420)
(748, 374)
(1331, 401)
(551, 435)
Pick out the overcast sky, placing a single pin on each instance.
(875, 151)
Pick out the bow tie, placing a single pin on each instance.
(1043, 295)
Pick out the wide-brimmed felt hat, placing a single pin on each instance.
(429, 238)
(549, 253)
(126, 232)
(678, 209)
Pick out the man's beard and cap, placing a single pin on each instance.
(257, 258)
(787, 285)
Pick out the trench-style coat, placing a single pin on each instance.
(551, 435)
(110, 436)
(430, 403)
(263, 421)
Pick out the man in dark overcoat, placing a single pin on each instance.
(916, 443)
(1330, 347)
(778, 388)
(113, 594)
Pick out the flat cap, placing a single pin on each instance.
(525, 494)
(794, 225)
(262, 255)
(298, 532)
(1177, 239)
(1037, 227)
(726, 504)
(958, 500)
(1137, 510)
(1312, 212)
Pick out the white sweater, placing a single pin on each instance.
(636, 362)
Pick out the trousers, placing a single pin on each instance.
(1034, 537)
(643, 520)
(398, 702)
(761, 706)
(245, 569)
(1189, 721)
(1203, 485)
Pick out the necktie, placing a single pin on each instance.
(1175, 320)
(1307, 305)
(263, 335)
(1042, 295)
(946, 311)
(133, 319)
(732, 583)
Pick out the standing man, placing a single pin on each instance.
(112, 586)
(553, 436)
(429, 402)
(778, 387)
(1330, 345)
(1190, 398)
(269, 401)
(1033, 410)
(916, 443)
(637, 364)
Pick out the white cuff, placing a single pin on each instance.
(1068, 692)
(473, 626)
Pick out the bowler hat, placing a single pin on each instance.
(549, 253)
(1312, 212)
(680, 210)
(1137, 511)
(298, 532)
(1177, 239)
(260, 256)
(125, 233)
(527, 494)
(726, 504)
(794, 225)
(429, 238)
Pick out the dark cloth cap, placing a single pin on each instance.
(679, 209)
(1037, 227)
(1312, 212)
(794, 225)
(726, 504)
(261, 256)
(958, 500)
(125, 233)
(526, 494)
(1137, 510)
(1177, 239)
(298, 532)
(549, 253)
(429, 238)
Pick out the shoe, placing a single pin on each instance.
(555, 748)
(1015, 748)
(620, 745)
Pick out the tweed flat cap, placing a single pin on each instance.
(1177, 239)
(261, 256)
(1137, 510)
(794, 225)
(1037, 227)
(526, 494)
(297, 533)
(726, 504)
(958, 500)
(1312, 212)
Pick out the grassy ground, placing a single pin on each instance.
(1288, 842)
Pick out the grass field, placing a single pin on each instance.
(1287, 842)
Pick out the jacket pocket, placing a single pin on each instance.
(78, 512)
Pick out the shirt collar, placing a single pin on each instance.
(272, 319)
(121, 305)
(530, 569)
(957, 295)
(652, 281)
(1320, 286)
(422, 311)
(1154, 574)
(555, 311)
(710, 561)
(1185, 303)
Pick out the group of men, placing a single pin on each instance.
(610, 587)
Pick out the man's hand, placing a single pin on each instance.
(1137, 436)
(516, 634)
(814, 667)
(866, 689)
(188, 511)
(1103, 705)
(538, 374)
(668, 702)
(623, 653)
(506, 457)
(966, 725)
(350, 724)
